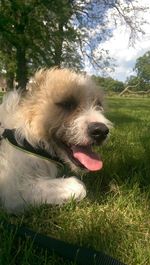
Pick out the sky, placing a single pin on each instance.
(125, 55)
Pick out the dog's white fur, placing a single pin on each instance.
(27, 179)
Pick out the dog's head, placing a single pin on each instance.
(65, 110)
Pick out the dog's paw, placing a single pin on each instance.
(76, 188)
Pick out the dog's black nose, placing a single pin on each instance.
(98, 131)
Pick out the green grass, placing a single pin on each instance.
(115, 216)
(1, 94)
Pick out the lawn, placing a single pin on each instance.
(115, 216)
(1, 94)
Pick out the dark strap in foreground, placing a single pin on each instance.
(26, 146)
(81, 255)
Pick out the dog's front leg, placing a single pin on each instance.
(58, 191)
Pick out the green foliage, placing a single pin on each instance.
(142, 67)
(109, 84)
(134, 83)
(36, 34)
(142, 80)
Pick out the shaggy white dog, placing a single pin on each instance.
(60, 114)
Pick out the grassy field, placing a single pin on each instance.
(115, 216)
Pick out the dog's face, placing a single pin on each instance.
(65, 110)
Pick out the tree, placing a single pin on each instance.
(140, 81)
(142, 68)
(133, 82)
(53, 32)
(7, 61)
(38, 33)
(109, 84)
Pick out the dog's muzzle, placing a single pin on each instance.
(97, 131)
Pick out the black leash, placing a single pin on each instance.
(80, 255)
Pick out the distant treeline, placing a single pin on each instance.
(138, 82)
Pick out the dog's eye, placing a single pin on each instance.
(98, 104)
(69, 104)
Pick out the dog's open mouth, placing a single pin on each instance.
(83, 156)
(86, 157)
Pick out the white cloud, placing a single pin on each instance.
(125, 55)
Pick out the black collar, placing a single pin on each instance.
(27, 147)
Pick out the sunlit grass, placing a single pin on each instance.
(115, 216)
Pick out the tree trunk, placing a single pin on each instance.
(10, 80)
(58, 46)
(21, 71)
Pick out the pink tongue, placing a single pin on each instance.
(87, 157)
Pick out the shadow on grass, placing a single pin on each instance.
(135, 171)
(128, 165)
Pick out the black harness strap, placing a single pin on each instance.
(80, 255)
(26, 146)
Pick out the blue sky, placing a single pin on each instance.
(118, 46)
